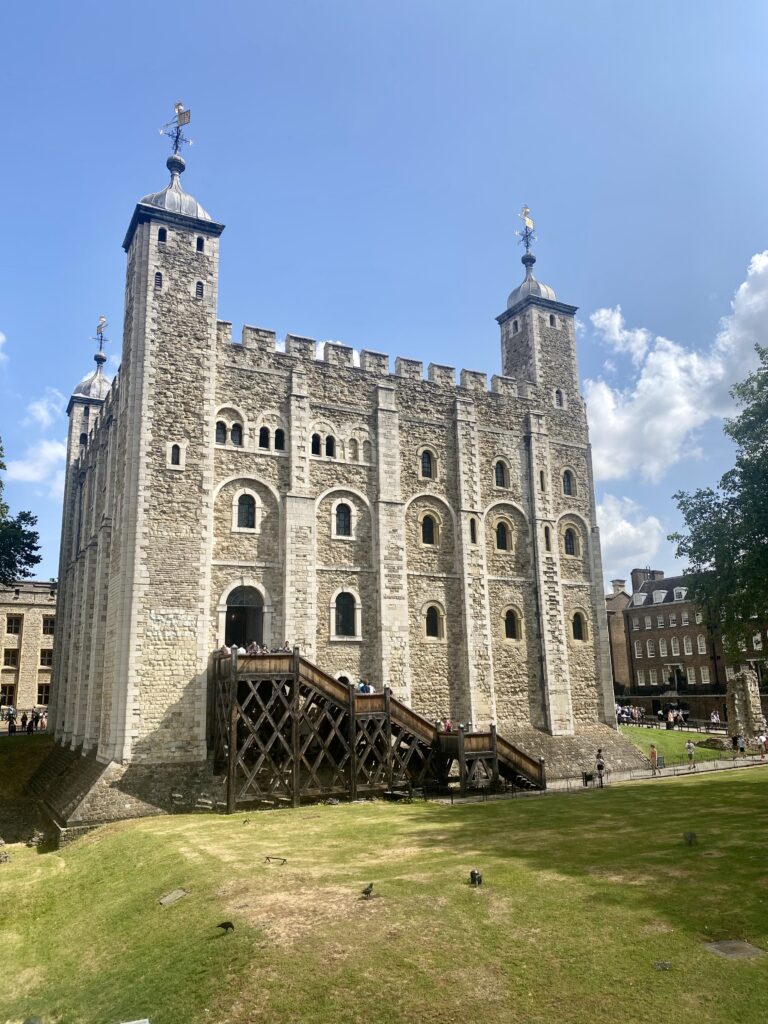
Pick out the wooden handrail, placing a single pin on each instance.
(528, 765)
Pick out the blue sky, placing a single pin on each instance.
(369, 160)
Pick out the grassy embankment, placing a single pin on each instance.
(583, 895)
(670, 743)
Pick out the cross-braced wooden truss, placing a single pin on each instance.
(288, 732)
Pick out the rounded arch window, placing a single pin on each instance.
(158, 281)
(236, 434)
(330, 446)
(316, 443)
(552, 321)
(200, 244)
(354, 450)
(83, 439)
(434, 622)
(559, 398)
(244, 617)
(199, 290)
(427, 464)
(162, 236)
(503, 536)
(579, 626)
(343, 520)
(547, 538)
(569, 484)
(345, 614)
(175, 455)
(221, 432)
(473, 530)
(501, 474)
(246, 512)
(279, 440)
(570, 543)
(511, 625)
(515, 326)
(264, 437)
(429, 530)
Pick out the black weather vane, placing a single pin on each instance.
(173, 129)
(526, 236)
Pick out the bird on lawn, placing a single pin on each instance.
(227, 926)
(366, 893)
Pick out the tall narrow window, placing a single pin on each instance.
(246, 512)
(345, 615)
(264, 437)
(162, 236)
(501, 474)
(702, 644)
(200, 244)
(473, 531)
(502, 536)
(354, 450)
(330, 446)
(316, 444)
(432, 621)
(279, 440)
(559, 398)
(568, 482)
(547, 539)
(552, 321)
(428, 530)
(199, 290)
(579, 627)
(158, 281)
(426, 465)
(511, 626)
(236, 434)
(570, 542)
(650, 648)
(343, 521)
(175, 455)
(541, 479)
(515, 326)
(221, 432)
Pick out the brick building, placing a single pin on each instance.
(674, 648)
(615, 603)
(27, 621)
(435, 537)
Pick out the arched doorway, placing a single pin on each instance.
(245, 617)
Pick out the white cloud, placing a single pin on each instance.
(628, 538)
(3, 356)
(42, 463)
(46, 410)
(646, 428)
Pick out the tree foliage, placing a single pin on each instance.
(726, 538)
(19, 542)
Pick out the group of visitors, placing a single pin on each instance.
(29, 723)
(253, 648)
(674, 717)
(364, 687)
(446, 725)
(628, 714)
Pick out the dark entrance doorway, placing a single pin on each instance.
(245, 617)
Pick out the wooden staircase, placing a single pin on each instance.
(286, 731)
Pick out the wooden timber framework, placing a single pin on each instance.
(285, 732)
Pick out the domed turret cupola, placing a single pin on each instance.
(95, 386)
(530, 288)
(173, 198)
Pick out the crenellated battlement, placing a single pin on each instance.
(262, 350)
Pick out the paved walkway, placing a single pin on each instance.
(643, 774)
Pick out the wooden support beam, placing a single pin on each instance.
(388, 713)
(352, 743)
(462, 762)
(232, 745)
(295, 732)
(495, 755)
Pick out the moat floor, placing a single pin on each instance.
(592, 909)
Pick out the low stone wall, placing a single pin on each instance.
(566, 756)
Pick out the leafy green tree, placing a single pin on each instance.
(19, 543)
(726, 538)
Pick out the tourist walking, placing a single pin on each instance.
(742, 745)
(690, 749)
(654, 759)
(600, 766)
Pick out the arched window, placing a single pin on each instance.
(264, 437)
(511, 625)
(473, 531)
(162, 236)
(158, 281)
(501, 475)
(200, 244)
(502, 536)
(316, 442)
(330, 446)
(433, 622)
(552, 321)
(366, 451)
(559, 398)
(515, 326)
(343, 679)
(428, 530)
(246, 512)
(701, 644)
(541, 479)
(83, 439)
(175, 455)
(579, 627)
(221, 432)
(343, 521)
(345, 615)
(569, 541)
(354, 450)
(236, 434)
(427, 466)
(279, 440)
(650, 648)
(687, 645)
(639, 648)
(568, 487)
(547, 538)
(199, 290)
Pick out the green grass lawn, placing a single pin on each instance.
(582, 895)
(670, 743)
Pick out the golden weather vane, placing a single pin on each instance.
(526, 236)
(173, 129)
